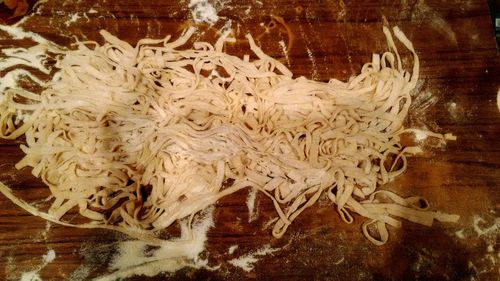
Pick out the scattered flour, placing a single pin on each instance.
(313, 62)
(460, 234)
(420, 136)
(32, 57)
(490, 249)
(285, 52)
(252, 195)
(49, 257)
(10, 268)
(139, 258)
(246, 262)
(422, 101)
(269, 223)
(342, 12)
(33, 275)
(232, 249)
(339, 261)
(19, 33)
(203, 11)
(487, 231)
(30, 276)
(453, 110)
(73, 19)
(227, 28)
(92, 11)
(43, 235)
(80, 274)
(483, 231)
(423, 13)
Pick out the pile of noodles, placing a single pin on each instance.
(137, 138)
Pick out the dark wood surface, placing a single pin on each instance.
(460, 76)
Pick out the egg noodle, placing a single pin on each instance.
(138, 138)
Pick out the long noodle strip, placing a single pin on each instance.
(137, 138)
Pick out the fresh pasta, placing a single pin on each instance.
(139, 137)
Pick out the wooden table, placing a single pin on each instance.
(460, 76)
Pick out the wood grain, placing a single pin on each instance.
(460, 75)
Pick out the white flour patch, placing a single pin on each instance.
(420, 104)
(478, 221)
(486, 230)
(453, 110)
(10, 268)
(252, 195)
(420, 136)
(313, 62)
(285, 51)
(136, 257)
(269, 223)
(460, 234)
(73, 19)
(203, 11)
(232, 249)
(247, 262)
(33, 275)
(227, 28)
(490, 249)
(30, 276)
(80, 274)
(19, 33)
(49, 257)
(423, 101)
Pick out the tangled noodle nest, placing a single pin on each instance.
(137, 138)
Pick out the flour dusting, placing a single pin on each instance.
(203, 12)
(73, 19)
(454, 111)
(19, 33)
(342, 12)
(252, 195)
(33, 275)
(486, 232)
(420, 104)
(80, 274)
(420, 136)
(478, 221)
(313, 62)
(43, 235)
(460, 234)
(136, 257)
(285, 52)
(49, 257)
(30, 276)
(232, 249)
(247, 262)
(424, 14)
